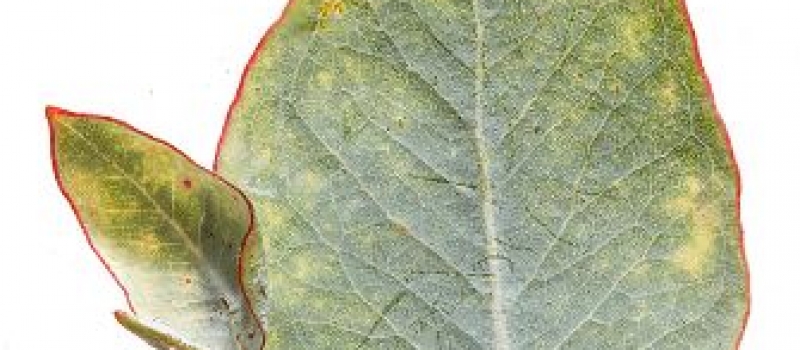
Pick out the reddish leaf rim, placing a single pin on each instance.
(734, 164)
(54, 113)
(240, 89)
(700, 69)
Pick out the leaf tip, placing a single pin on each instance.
(57, 115)
(148, 333)
(120, 315)
(52, 112)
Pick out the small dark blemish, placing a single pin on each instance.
(187, 183)
(224, 303)
(400, 228)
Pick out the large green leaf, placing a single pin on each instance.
(170, 231)
(489, 174)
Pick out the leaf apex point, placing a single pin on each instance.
(122, 317)
(53, 113)
(118, 313)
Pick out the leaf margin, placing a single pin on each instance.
(735, 168)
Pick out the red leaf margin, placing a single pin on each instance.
(734, 164)
(700, 70)
(53, 112)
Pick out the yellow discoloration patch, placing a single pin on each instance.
(294, 295)
(303, 267)
(148, 244)
(275, 216)
(634, 32)
(275, 341)
(158, 167)
(325, 79)
(94, 196)
(311, 182)
(330, 9)
(308, 266)
(704, 224)
(668, 95)
(353, 71)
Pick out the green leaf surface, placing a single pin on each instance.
(489, 174)
(170, 232)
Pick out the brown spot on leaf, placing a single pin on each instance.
(187, 183)
(400, 228)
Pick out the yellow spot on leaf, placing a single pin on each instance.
(275, 216)
(325, 79)
(310, 266)
(635, 31)
(303, 268)
(330, 9)
(668, 96)
(311, 182)
(93, 196)
(159, 167)
(704, 224)
(274, 340)
(148, 245)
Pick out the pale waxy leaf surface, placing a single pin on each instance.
(487, 174)
(170, 231)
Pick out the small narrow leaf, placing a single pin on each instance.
(156, 338)
(486, 174)
(170, 231)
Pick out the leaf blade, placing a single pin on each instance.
(599, 119)
(169, 231)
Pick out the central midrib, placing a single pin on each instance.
(500, 339)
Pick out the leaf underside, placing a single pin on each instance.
(170, 232)
(457, 174)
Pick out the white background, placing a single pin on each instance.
(171, 68)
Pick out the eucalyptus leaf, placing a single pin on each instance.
(489, 174)
(170, 232)
(158, 339)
